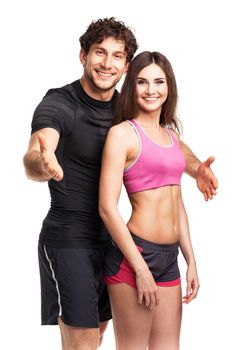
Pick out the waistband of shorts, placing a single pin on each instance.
(154, 246)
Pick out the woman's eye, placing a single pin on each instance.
(159, 82)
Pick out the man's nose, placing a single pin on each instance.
(107, 62)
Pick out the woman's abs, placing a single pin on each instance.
(155, 215)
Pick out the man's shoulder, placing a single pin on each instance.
(59, 99)
(66, 92)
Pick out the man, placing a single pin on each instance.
(68, 132)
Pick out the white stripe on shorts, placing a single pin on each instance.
(56, 282)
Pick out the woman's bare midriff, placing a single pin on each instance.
(155, 214)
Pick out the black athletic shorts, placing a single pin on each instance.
(72, 286)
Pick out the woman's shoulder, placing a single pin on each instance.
(174, 133)
(122, 130)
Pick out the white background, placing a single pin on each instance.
(205, 42)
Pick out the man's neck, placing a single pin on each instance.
(95, 93)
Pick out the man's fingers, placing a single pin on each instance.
(54, 172)
(215, 184)
(209, 161)
(42, 141)
(205, 196)
(209, 193)
(56, 175)
(213, 190)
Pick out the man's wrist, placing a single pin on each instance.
(193, 167)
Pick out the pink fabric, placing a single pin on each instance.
(156, 165)
(169, 283)
(125, 274)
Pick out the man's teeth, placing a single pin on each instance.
(105, 74)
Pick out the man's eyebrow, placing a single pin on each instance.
(120, 52)
(115, 52)
(98, 47)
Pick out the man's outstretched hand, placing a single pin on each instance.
(49, 161)
(206, 180)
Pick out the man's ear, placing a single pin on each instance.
(82, 56)
(126, 68)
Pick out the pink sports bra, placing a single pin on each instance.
(155, 165)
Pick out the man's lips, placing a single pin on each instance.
(104, 74)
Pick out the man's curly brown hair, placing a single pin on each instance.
(109, 27)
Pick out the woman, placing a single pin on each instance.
(141, 268)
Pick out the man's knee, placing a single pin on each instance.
(79, 338)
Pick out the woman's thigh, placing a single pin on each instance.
(166, 323)
(132, 321)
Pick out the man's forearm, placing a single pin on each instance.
(33, 167)
(192, 162)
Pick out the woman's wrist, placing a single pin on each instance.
(191, 262)
(140, 268)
